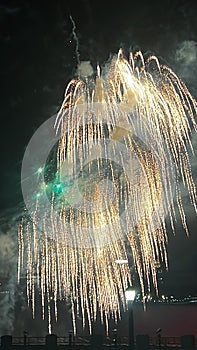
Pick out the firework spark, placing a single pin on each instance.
(123, 150)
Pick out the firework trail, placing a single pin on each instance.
(123, 151)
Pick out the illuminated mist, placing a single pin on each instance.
(111, 181)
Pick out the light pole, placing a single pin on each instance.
(130, 297)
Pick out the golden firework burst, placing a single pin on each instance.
(122, 153)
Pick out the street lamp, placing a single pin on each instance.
(130, 297)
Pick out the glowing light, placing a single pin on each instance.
(40, 170)
(122, 154)
(130, 294)
(121, 261)
(58, 187)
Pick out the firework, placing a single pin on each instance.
(122, 152)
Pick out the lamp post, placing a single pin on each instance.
(130, 297)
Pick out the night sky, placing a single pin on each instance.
(38, 58)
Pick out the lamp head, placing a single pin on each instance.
(130, 294)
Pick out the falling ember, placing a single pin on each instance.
(121, 156)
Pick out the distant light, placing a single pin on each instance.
(121, 261)
(39, 171)
(149, 297)
(130, 294)
(58, 188)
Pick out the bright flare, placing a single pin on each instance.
(122, 155)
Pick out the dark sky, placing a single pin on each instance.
(38, 59)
